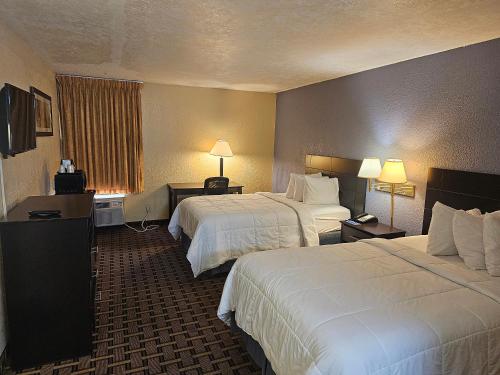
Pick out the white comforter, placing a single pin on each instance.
(371, 307)
(224, 227)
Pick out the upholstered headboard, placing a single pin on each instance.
(352, 188)
(460, 190)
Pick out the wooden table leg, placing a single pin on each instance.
(171, 202)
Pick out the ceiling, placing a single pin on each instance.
(254, 45)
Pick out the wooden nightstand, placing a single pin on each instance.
(352, 233)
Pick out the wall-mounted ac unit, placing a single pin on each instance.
(108, 211)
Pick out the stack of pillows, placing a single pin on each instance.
(472, 236)
(313, 189)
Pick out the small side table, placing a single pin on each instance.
(352, 232)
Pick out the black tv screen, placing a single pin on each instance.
(17, 121)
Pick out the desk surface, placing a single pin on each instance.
(374, 229)
(196, 185)
(72, 206)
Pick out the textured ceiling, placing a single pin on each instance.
(256, 45)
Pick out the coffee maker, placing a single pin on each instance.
(68, 179)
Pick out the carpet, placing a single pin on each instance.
(152, 316)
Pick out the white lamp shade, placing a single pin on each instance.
(221, 148)
(370, 168)
(393, 172)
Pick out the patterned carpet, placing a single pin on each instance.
(153, 316)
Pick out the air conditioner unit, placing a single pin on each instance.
(108, 211)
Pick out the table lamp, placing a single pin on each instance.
(393, 173)
(222, 149)
(370, 168)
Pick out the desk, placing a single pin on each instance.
(49, 279)
(193, 188)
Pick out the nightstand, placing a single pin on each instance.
(352, 233)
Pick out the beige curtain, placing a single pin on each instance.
(101, 126)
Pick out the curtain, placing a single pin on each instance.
(101, 129)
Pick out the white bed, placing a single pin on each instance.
(225, 227)
(370, 307)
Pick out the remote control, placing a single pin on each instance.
(45, 213)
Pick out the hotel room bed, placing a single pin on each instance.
(374, 306)
(370, 307)
(222, 228)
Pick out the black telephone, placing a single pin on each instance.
(365, 218)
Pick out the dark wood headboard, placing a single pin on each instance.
(352, 192)
(460, 190)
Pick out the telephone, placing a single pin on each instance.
(365, 218)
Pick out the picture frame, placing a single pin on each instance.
(43, 113)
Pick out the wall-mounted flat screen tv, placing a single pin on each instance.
(17, 121)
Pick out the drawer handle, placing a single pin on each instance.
(95, 250)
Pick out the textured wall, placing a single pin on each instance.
(180, 126)
(29, 173)
(255, 45)
(441, 110)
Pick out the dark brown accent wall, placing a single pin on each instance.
(441, 110)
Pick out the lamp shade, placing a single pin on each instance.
(222, 149)
(393, 172)
(370, 168)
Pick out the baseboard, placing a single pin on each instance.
(135, 224)
(157, 222)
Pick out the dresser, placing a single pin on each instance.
(48, 278)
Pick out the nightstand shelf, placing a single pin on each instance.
(352, 233)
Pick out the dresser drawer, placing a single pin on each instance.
(352, 235)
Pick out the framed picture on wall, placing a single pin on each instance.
(43, 113)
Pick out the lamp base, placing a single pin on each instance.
(393, 188)
(221, 167)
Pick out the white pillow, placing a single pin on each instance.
(491, 239)
(440, 239)
(291, 186)
(298, 191)
(321, 190)
(468, 235)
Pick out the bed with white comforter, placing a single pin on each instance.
(225, 227)
(371, 307)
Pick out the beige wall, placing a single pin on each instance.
(181, 124)
(29, 173)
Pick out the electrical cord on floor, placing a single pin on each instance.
(144, 228)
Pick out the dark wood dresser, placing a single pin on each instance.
(48, 278)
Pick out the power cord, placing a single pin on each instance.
(144, 228)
